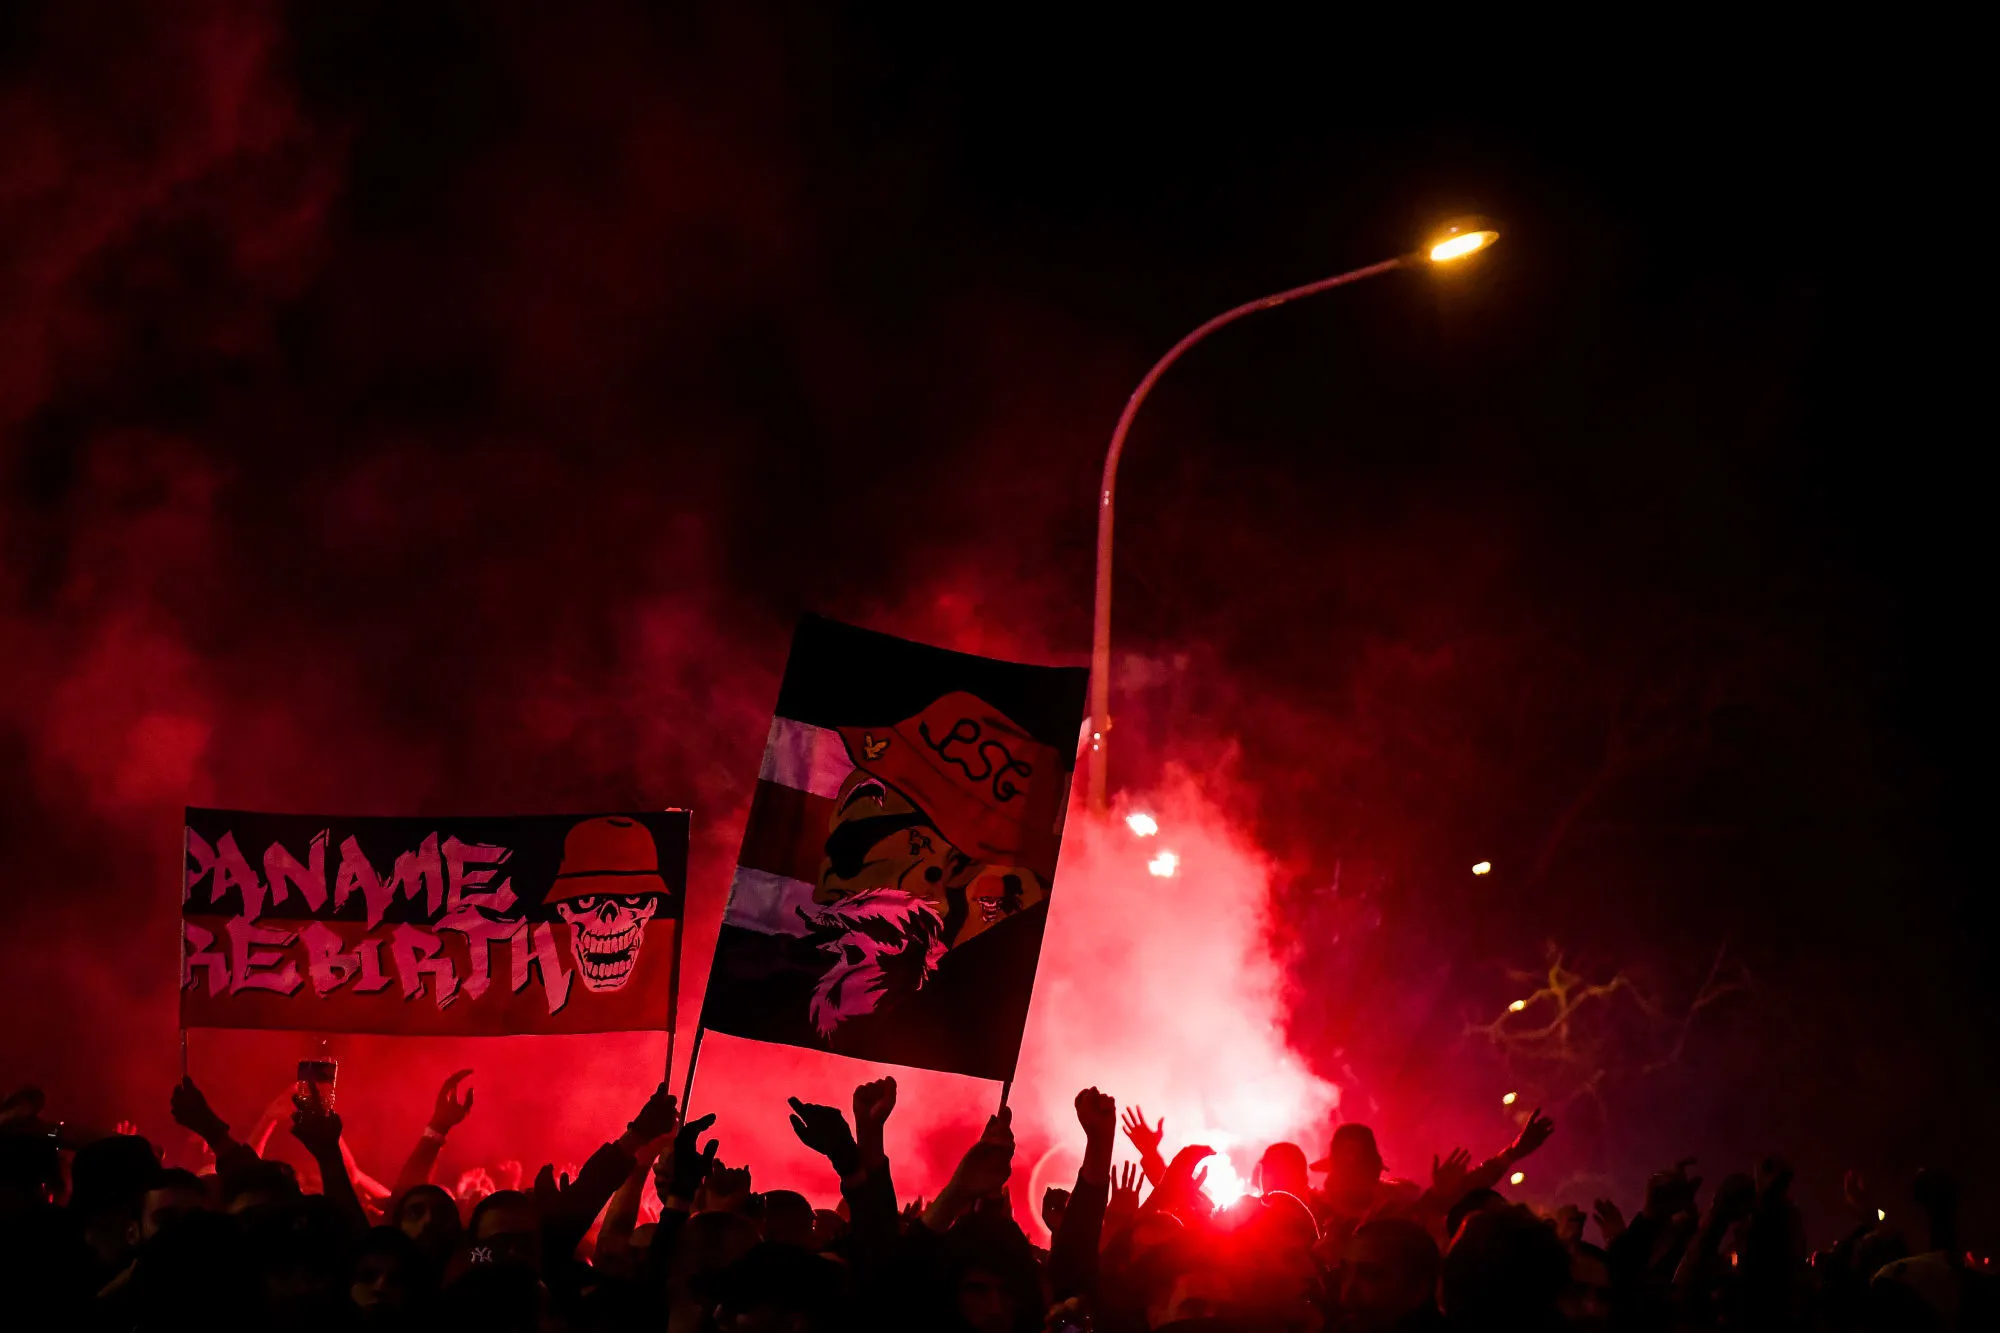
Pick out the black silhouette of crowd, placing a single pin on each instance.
(98, 1234)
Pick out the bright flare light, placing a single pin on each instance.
(1142, 824)
(1483, 868)
(1517, 1177)
(1881, 1214)
(1508, 1100)
(1164, 865)
(1461, 245)
(1517, 1006)
(1223, 1186)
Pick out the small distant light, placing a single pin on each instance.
(1483, 868)
(1517, 1177)
(1735, 1259)
(1881, 1214)
(1517, 1006)
(1142, 824)
(1164, 865)
(1508, 1100)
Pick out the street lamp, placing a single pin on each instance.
(1457, 241)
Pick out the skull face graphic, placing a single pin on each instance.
(608, 933)
(607, 889)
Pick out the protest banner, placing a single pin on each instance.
(482, 926)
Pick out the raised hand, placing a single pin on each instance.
(989, 1161)
(1125, 1186)
(1448, 1176)
(448, 1112)
(690, 1163)
(192, 1112)
(824, 1130)
(872, 1104)
(659, 1116)
(1532, 1136)
(1055, 1200)
(317, 1130)
(1671, 1192)
(1146, 1138)
(1734, 1199)
(727, 1189)
(1610, 1220)
(549, 1189)
(1098, 1114)
(128, 1128)
(1180, 1185)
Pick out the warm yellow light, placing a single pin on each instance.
(1517, 1006)
(1881, 1215)
(1142, 824)
(1509, 1099)
(1483, 868)
(1461, 244)
(1517, 1177)
(1164, 865)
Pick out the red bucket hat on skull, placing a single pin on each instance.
(992, 790)
(608, 857)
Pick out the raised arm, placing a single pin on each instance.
(981, 1172)
(1146, 1138)
(577, 1206)
(1073, 1250)
(447, 1113)
(1534, 1133)
(613, 1251)
(192, 1112)
(318, 1132)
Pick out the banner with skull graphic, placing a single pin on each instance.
(432, 927)
(901, 846)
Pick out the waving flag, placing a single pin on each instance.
(901, 847)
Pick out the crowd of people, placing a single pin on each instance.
(657, 1231)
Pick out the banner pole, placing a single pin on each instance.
(674, 982)
(1005, 1088)
(694, 1058)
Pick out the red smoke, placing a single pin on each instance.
(421, 409)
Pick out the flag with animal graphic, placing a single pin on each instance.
(894, 882)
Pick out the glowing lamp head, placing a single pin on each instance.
(1142, 824)
(1468, 236)
(1509, 1099)
(1165, 865)
(1517, 1006)
(1483, 868)
(1517, 1177)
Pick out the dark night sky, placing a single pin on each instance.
(450, 407)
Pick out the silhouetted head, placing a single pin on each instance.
(1506, 1269)
(1282, 1170)
(1389, 1271)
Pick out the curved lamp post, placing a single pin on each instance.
(1455, 242)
